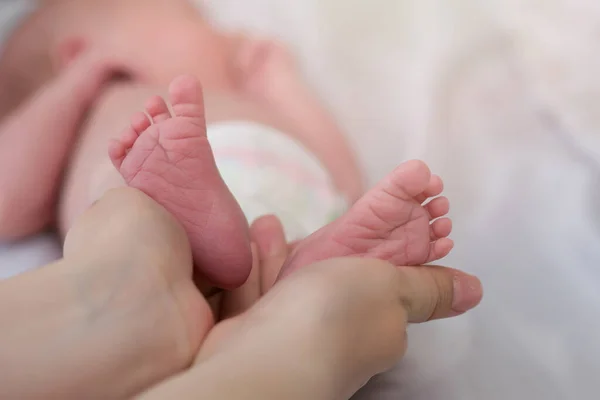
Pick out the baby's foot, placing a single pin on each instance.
(169, 158)
(389, 223)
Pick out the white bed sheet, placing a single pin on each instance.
(501, 98)
(28, 254)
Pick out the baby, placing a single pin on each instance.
(254, 140)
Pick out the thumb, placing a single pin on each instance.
(433, 292)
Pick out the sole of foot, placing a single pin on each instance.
(401, 220)
(165, 153)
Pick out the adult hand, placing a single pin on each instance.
(320, 333)
(126, 315)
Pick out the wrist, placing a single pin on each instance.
(87, 327)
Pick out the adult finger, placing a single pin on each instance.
(239, 300)
(434, 292)
(320, 333)
(343, 319)
(269, 251)
(267, 232)
(355, 293)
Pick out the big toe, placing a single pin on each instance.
(410, 178)
(185, 94)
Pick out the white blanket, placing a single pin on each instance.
(501, 97)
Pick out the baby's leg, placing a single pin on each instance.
(119, 313)
(269, 75)
(390, 222)
(169, 158)
(34, 144)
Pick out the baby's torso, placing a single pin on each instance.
(90, 171)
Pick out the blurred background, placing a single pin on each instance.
(502, 98)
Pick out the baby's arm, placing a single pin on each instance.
(35, 141)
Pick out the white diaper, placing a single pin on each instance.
(270, 173)
(12, 13)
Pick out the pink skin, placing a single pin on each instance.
(389, 223)
(269, 74)
(261, 73)
(35, 141)
(168, 157)
(245, 79)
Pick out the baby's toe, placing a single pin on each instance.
(439, 249)
(434, 188)
(408, 180)
(185, 94)
(117, 152)
(157, 109)
(139, 123)
(440, 228)
(438, 207)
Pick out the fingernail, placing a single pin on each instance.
(467, 293)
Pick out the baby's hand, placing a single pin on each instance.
(87, 74)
